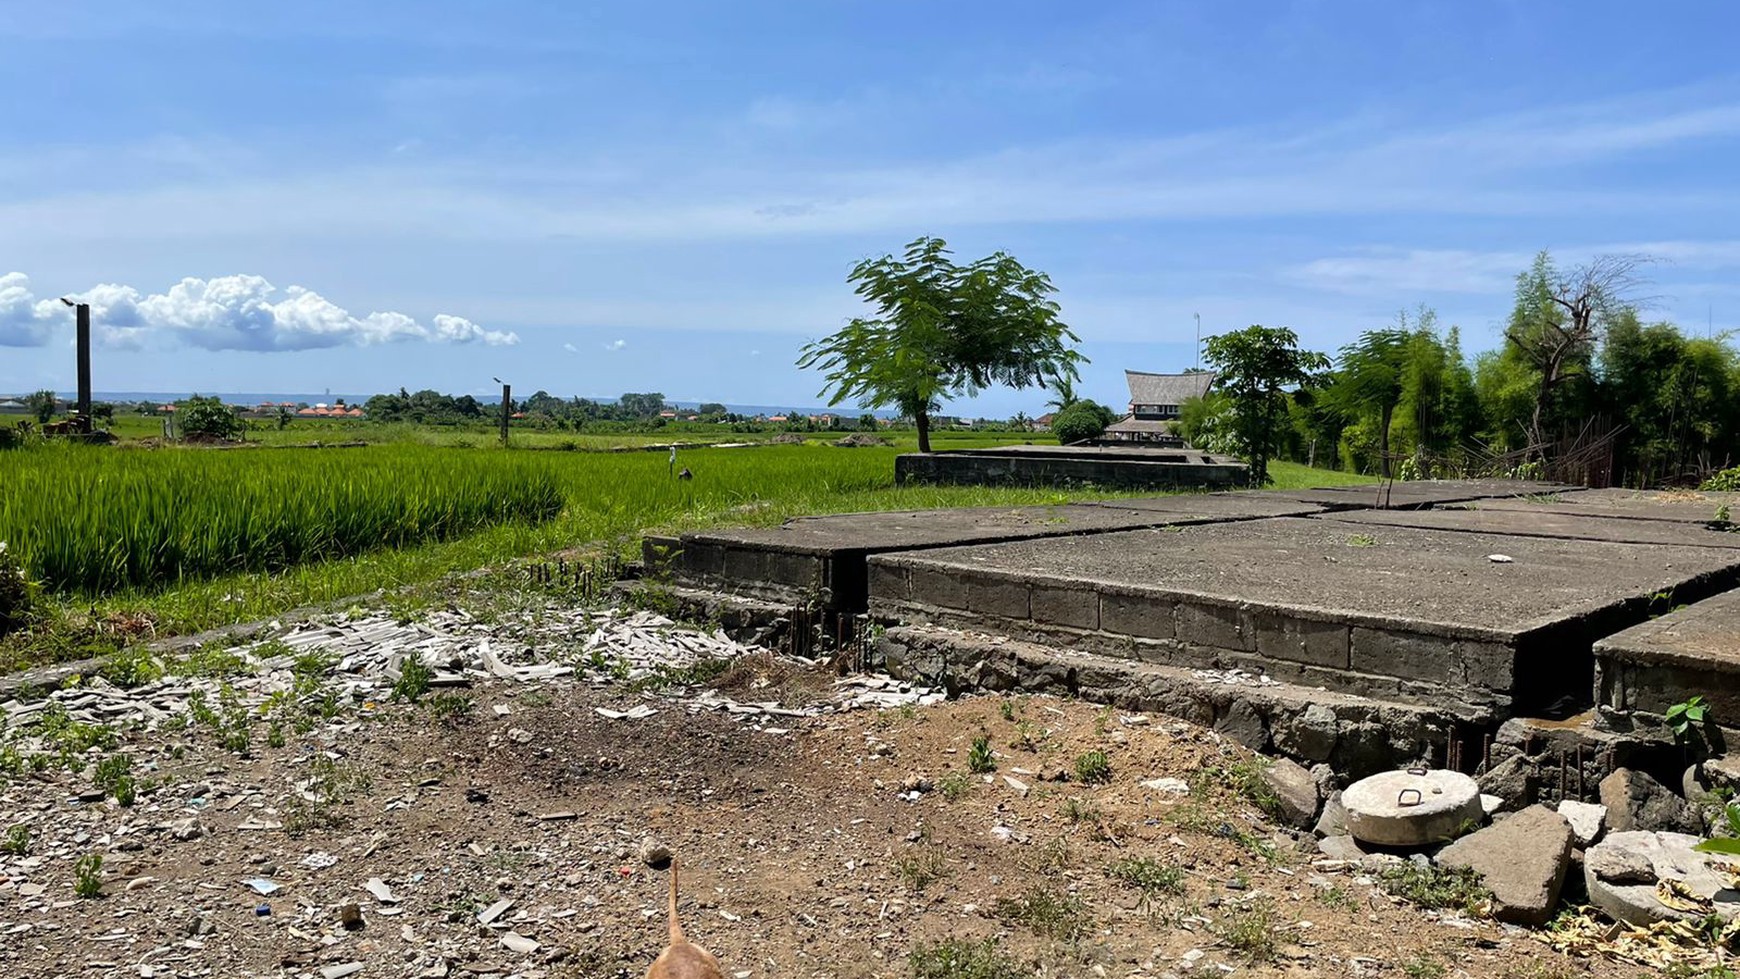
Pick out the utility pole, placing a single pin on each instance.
(507, 401)
(84, 360)
(1198, 365)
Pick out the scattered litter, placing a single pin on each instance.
(319, 860)
(261, 886)
(635, 713)
(517, 942)
(1500, 558)
(381, 892)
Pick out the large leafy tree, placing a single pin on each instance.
(941, 330)
(1254, 367)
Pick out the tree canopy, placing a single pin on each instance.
(1254, 366)
(942, 330)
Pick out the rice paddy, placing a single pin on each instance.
(91, 520)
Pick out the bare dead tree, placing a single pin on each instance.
(1561, 315)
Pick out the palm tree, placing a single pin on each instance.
(1066, 396)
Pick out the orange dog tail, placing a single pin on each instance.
(676, 929)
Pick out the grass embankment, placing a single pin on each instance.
(609, 500)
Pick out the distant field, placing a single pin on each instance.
(305, 431)
(196, 538)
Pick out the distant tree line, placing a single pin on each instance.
(1579, 368)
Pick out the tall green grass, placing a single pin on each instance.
(93, 520)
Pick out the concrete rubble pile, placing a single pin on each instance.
(601, 648)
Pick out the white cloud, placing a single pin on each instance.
(570, 348)
(616, 345)
(23, 321)
(1405, 271)
(232, 312)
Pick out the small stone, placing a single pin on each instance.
(1019, 786)
(1490, 804)
(341, 970)
(350, 916)
(1333, 820)
(381, 892)
(1340, 848)
(1167, 786)
(1587, 820)
(1512, 780)
(516, 942)
(655, 854)
(916, 783)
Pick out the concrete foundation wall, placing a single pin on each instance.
(984, 469)
(1390, 661)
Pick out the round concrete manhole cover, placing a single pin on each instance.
(1411, 808)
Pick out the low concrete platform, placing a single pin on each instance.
(1558, 524)
(821, 559)
(1422, 493)
(1121, 467)
(1679, 505)
(1423, 618)
(1694, 650)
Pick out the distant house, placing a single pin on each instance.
(9, 406)
(1155, 402)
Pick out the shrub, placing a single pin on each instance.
(15, 593)
(1726, 481)
(1081, 421)
(209, 417)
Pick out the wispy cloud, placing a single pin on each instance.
(616, 345)
(1501, 165)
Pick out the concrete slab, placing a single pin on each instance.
(807, 558)
(1679, 505)
(1692, 650)
(1421, 493)
(1422, 615)
(1558, 523)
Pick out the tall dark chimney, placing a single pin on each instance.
(84, 312)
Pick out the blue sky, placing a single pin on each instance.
(590, 198)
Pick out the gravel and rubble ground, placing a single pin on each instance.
(480, 794)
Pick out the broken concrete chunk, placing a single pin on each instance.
(1619, 884)
(1296, 790)
(494, 911)
(1635, 801)
(1587, 820)
(517, 942)
(1411, 808)
(340, 971)
(1512, 780)
(1521, 860)
(1167, 786)
(1310, 734)
(1333, 820)
(380, 891)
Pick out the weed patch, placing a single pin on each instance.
(955, 958)
(1047, 913)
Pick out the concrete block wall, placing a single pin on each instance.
(982, 470)
(1366, 657)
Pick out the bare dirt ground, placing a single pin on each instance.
(804, 850)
